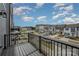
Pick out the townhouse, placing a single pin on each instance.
(6, 22)
(27, 29)
(59, 28)
(71, 30)
(45, 29)
(2, 24)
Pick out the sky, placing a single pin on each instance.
(31, 14)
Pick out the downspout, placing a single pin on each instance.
(9, 15)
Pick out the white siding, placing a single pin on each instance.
(2, 25)
(1, 6)
(67, 31)
(2, 30)
(72, 34)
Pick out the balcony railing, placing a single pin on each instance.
(53, 47)
(15, 38)
(48, 46)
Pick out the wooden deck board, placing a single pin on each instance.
(25, 49)
(22, 50)
(29, 48)
(16, 52)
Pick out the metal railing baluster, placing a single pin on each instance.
(57, 48)
(51, 47)
(46, 48)
(66, 50)
(40, 43)
(61, 49)
(54, 48)
(71, 51)
(78, 52)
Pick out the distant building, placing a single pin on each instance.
(29, 29)
(15, 28)
(59, 28)
(45, 29)
(71, 30)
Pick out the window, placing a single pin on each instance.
(73, 34)
(67, 34)
(77, 28)
(72, 29)
(66, 28)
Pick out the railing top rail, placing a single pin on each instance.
(15, 33)
(52, 39)
(59, 41)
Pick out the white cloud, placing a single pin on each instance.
(76, 20)
(73, 15)
(60, 14)
(27, 18)
(41, 17)
(64, 6)
(63, 10)
(38, 5)
(69, 8)
(21, 10)
(59, 5)
(56, 16)
(53, 13)
(69, 20)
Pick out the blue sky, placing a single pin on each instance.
(30, 14)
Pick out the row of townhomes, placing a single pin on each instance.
(49, 29)
(68, 30)
(6, 22)
(45, 29)
(71, 30)
(29, 28)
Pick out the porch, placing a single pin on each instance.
(24, 49)
(36, 45)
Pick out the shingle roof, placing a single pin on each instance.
(73, 25)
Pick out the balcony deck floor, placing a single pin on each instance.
(24, 49)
